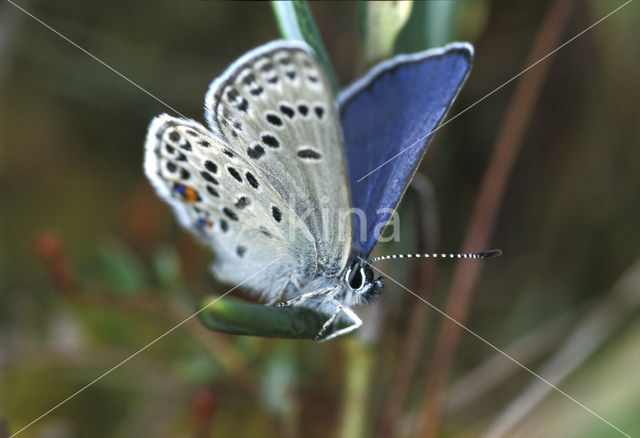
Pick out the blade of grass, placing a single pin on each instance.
(590, 333)
(295, 22)
(477, 384)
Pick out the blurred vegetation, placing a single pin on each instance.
(94, 266)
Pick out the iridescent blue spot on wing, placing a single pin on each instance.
(398, 103)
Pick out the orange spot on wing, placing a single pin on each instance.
(188, 194)
(191, 195)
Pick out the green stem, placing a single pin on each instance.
(356, 392)
(295, 22)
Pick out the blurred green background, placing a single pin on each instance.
(93, 265)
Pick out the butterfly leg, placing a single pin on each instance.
(302, 298)
(320, 336)
(355, 320)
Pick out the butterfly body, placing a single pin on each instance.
(267, 184)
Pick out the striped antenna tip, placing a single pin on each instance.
(475, 255)
(489, 254)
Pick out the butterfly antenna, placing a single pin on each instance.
(474, 255)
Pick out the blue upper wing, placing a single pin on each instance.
(397, 104)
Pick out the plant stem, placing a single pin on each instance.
(485, 212)
(356, 391)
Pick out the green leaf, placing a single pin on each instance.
(166, 268)
(431, 24)
(295, 22)
(117, 269)
(238, 317)
(381, 23)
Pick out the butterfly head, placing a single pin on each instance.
(361, 287)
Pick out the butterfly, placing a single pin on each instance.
(273, 183)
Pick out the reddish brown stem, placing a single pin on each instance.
(485, 212)
(425, 274)
(204, 408)
(49, 247)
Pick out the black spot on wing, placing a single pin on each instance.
(249, 79)
(234, 173)
(244, 105)
(212, 191)
(208, 177)
(273, 119)
(242, 202)
(255, 151)
(270, 141)
(309, 154)
(287, 110)
(211, 166)
(276, 213)
(232, 94)
(230, 213)
(253, 182)
(174, 136)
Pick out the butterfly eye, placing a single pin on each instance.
(356, 277)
